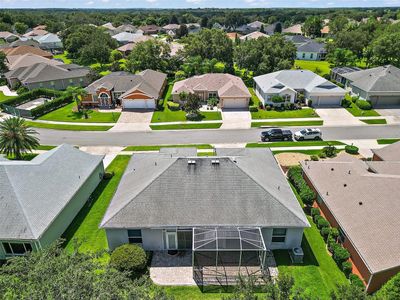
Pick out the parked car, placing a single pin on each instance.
(276, 134)
(308, 134)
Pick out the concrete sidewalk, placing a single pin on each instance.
(7, 92)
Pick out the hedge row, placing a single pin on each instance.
(50, 106)
(32, 95)
(307, 195)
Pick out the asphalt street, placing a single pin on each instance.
(210, 136)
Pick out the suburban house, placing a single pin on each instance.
(290, 83)
(21, 50)
(193, 28)
(131, 91)
(233, 36)
(294, 29)
(150, 29)
(337, 73)
(252, 27)
(8, 37)
(49, 42)
(48, 75)
(26, 60)
(360, 198)
(387, 153)
(41, 197)
(253, 36)
(127, 37)
(311, 50)
(171, 29)
(297, 39)
(230, 90)
(25, 42)
(380, 85)
(37, 31)
(174, 200)
(126, 49)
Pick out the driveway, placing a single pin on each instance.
(236, 119)
(133, 121)
(392, 114)
(337, 117)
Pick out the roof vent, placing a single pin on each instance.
(332, 169)
(345, 185)
(191, 162)
(360, 203)
(215, 162)
(349, 172)
(327, 193)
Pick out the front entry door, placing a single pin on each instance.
(172, 240)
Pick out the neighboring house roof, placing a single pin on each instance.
(126, 28)
(29, 42)
(389, 153)
(148, 81)
(150, 28)
(33, 193)
(363, 198)
(297, 39)
(253, 36)
(233, 35)
(172, 27)
(26, 60)
(311, 46)
(213, 82)
(137, 39)
(20, 50)
(40, 27)
(6, 35)
(127, 37)
(247, 189)
(325, 29)
(295, 29)
(47, 71)
(109, 26)
(48, 38)
(275, 82)
(345, 70)
(379, 79)
(36, 32)
(256, 24)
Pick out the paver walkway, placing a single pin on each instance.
(337, 117)
(236, 119)
(6, 91)
(133, 121)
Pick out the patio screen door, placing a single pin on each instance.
(172, 240)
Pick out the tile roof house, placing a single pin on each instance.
(126, 37)
(150, 29)
(20, 50)
(48, 74)
(49, 41)
(338, 72)
(131, 91)
(289, 83)
(171, 29)
(380, 85)
(8, 37)
(387, 153)
(361, 200)
(165, 199)
(253, 36)
(41, 197)
(35, 32)
(17, 43)
(26, 60)
(295, 29)
(230, 90)
(126, 49)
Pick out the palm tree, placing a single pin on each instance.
(77, 93)
(16, 137)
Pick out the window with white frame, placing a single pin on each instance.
(212, 95)
(286, 98)
(16, 248)
(279, 235)
(135, 236)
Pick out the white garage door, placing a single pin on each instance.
(388, 101)
(139, 104)
(327, 101)
(235, 103)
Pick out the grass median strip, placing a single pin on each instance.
(294, 144)
(45, 147)
(286, 114)
(357, 112)
(374, 121)
(288, 123)
(158, 147)
(186, 126)
(68, 127)
(387, 141)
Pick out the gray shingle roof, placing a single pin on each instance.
(311, 46)
(163, 190)
(33, 193)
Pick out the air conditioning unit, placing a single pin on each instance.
(297, 254)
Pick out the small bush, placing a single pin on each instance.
(277, 99)
(130, 258)
(325, 232)
(173, 106)
(340, 254)
(315, 211)
(351, 149)
(253, 109)
(329, 151)
(346, 103)
(347, 267)
(334, 233)
(314, 157)
(364, 105)
(316, 218)
(322, 223)
(321, 155)
(331, 242)
(307, 195)
(268, 108)
(108, 175)
(355, 280)
(310, 103)
(354, 99)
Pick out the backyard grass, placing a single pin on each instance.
(66, 114)
(158, 147)
(288, 123)
(255, 101)
(294, 144)
(319, 67)
(84, 229)
(186, 126)
(387, 141)
(194, 293)
(63, 57)
(286, 114)
(167, 115)
(4, 97)
(374, 121)
(68, 127)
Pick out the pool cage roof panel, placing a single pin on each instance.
(228, 239)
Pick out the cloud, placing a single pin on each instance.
(90, 3)
(256, 2)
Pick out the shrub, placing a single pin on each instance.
(268, 108)
(307, 195)
(310, 103)
(364, 105)
(316, 218)
(325, 232)
(322, 223)
(354, 99)
(173, 106)
(330, 243)
(355, 280)
(31, 95)
(321, 155)
(277, 99)
(347, 267)
(50, 106)
(315, 211)
(334, 233)
(351, 149)
(329, 151)
(340, 254)
(314, 157)
(108, 175)
(253, 109)
(346, 103)
(130, 258)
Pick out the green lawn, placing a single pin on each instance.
(45, 147)
(205, 153)
(286, 114)
(319, 67)
(64, 57)
(66, 114)
(307, 152)
(293, 144)
(84, 230)
(255, 101)
(186, 126)
(387, 141)
(158, 147)
(374, 121)
(4, 97)
(68, 127)
(167, 115)
(288, 123)
(357, 112)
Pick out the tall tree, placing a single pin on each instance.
(338, 24)
(312, 26)
(278, 28)
(204, 22)
(173, 20)
(3, 65)
(150, 54)
(17, 138)
(20, 27)
(182, 31)
(341, 57)
(385, 50)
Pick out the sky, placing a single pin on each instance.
(192, 3)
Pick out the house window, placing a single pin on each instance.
(40, 84)
(212, 95)
(304, 55)
(312, 55)
(80, 79)
(135, 236)
(286, 98)
(52, 83)
(278, 235)
(104, 98)
(71, 80)
(17, 248)
(185, 239)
